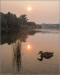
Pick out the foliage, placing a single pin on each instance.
(13, 27)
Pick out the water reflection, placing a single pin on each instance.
(16, 40)
(17, 54)
(46, 55)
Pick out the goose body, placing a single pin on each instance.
(47, 55)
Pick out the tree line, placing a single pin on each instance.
(14, 28)
(10, 23)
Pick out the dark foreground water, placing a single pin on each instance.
(46, 42)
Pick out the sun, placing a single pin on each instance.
(29, 8)
(28, 46)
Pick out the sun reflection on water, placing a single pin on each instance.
(28, 46)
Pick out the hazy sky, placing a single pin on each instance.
(42, 11)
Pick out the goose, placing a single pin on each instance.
(45, 55)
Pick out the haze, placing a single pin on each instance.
(42, 11)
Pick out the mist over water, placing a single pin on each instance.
(27, 62)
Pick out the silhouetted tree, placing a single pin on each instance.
(13, 27)
(22, 20)
(3, 22)
(12, 22)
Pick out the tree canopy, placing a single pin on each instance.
(11, 26)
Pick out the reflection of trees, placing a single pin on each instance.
(15, 28)
(17, 54)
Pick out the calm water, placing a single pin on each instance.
(47, 42)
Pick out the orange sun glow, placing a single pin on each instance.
(29, 8)
(28, 46)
